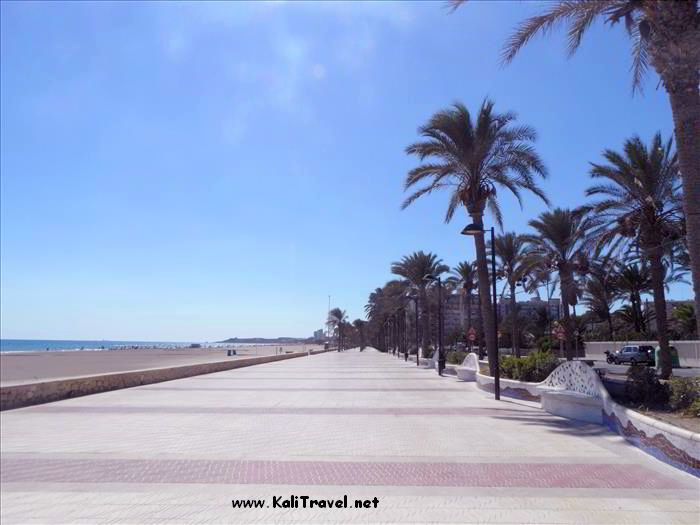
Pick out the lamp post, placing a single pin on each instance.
(441, 355)
(475, 229)
(415, 302)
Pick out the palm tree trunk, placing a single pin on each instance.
(610, 326)
(685, 104)
(485, 294)
(513, 320)
(569, 350)
(636, 311)
(657, 282)
(461, 309)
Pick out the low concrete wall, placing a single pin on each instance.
(510, 388)
(688, 351)
(16, 396)
(673, 445)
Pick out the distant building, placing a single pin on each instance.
(319, 334)
(452, 315)
(528, 309)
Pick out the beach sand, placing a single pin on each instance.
(30, 367)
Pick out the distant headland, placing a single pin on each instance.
(259, 340)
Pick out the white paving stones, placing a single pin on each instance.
(364, 425)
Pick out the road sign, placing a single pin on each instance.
(472, 334)
(560, 332)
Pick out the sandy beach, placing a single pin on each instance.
(28, 367)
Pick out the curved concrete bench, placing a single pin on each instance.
(428, 362)
(468, 369)
(573, 390)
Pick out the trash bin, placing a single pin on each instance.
(675, 361)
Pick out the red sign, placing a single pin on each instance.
(472, 334)
(560, 332)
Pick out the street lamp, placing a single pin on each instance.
(415, 302)
(475, 229)
(441, 355)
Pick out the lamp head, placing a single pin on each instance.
(472, 229)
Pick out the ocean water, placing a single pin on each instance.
(34, 345)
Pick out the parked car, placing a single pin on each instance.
(634, 354)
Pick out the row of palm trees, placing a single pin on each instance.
(647, 201)
(664, 35)
(637, 213)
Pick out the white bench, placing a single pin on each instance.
(573, 405)
(468, 369)
(573, 390)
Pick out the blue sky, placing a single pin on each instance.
(194, 171)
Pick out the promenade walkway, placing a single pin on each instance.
(365, 425)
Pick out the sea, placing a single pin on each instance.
(44, 345)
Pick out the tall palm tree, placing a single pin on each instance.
(414, 268)
(638, 208)
(474, 158)
(359, 325)
(560, 239)
(336, 319)
(464, 278)
(601, 292)
(510, 253)
(665, 35)
(633, 280)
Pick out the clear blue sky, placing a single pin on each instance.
(194, 171)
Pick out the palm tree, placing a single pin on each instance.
(601, 292)
(633, 280)
(336, 320)
(665, 35)
(359, 325)
(685, 321)
(464, 277)
(638, 209)
(474, 158)
(510, 253)
(560, 240)
(414, 268)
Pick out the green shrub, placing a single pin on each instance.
(456, 357)
(532, 368)
(684, 392)
(428, 352)
(643, 387)
(510, 367)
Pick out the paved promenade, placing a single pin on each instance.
(365, 425)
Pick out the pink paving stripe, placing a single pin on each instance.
(312, 378)
(298, 389)
(535, 475)
(301, 411)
